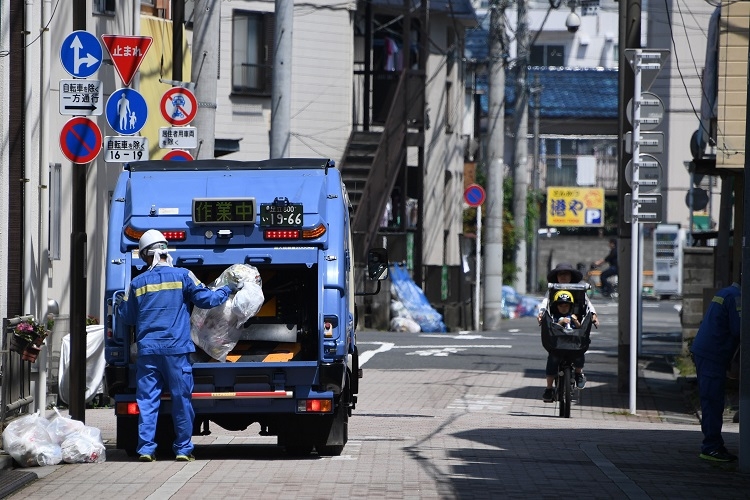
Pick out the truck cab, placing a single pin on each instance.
(295, 369)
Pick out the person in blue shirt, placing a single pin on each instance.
(712, 349)
(156, 304)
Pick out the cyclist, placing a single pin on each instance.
(563, 273)
(610, 259)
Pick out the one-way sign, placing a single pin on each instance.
(81, 97)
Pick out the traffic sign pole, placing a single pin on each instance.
(474, 196)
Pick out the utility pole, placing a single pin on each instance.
(629, 38)
(205, 70)
(493, 248)
(521, 150)
(535, 91)
(281, 90)
(78, 287)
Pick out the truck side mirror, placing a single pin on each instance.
(377, 264)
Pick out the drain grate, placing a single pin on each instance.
(13, 480)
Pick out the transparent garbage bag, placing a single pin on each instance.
(218, 330)
(84, 447)
(61, 427)
(26, 440)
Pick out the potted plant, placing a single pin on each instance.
(28, 336)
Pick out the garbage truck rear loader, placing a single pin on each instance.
(294, 370)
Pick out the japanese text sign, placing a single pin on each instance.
(575, 206)
(127, 53)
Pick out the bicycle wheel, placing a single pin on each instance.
(563, 391)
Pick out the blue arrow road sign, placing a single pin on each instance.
(81, 54)
(126, 111)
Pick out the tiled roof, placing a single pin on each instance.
(569, 92)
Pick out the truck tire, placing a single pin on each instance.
(127, 434)
(165, 435)
(335, 431)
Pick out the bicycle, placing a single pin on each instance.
(593, 277)
(565, 343)
(564, 384)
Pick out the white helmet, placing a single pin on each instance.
(150, 238)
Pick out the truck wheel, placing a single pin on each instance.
(165, 435)
(337, 435)
(127, 434)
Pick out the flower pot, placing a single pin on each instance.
(30, 353)
(18, 343)
(39, 340)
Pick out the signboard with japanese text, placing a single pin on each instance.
(122, 149)
(81, 97)
(178, 137)
(574, 206)
(127, 53)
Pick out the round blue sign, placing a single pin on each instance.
(126, 111)
(474, 195)
(81, 54)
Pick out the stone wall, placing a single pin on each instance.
(583, 249)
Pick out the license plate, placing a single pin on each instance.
(281, 215)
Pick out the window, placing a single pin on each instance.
(103, 7)
(252, 52)
(547, 55)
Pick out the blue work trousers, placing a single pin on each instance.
(172, 373)
(711, 387)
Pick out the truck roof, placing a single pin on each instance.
(219, 164)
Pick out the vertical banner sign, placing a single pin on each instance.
(127, 53)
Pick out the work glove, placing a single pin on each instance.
(235, 287)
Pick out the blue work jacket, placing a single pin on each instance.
(719, 333)
(156, 303)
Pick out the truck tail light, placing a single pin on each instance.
(315, 406)
(127, 408)
(281, 234)
(169, 234)
(295, 234)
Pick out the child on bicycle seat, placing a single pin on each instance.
(564, 273)
(562, 306)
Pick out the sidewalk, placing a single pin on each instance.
(517, 449)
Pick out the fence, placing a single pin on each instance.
(17, 356)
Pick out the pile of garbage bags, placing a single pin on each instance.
(516, 305)
(218, 330)
(415, 308)
(33, 440)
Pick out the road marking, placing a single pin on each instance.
(471, 403)
(367, 355)
(435, 352)
(177, 481)
(610, 470)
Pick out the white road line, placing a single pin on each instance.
(610, 470)
(365, 356)
(177, 481)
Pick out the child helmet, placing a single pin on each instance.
(563, 296)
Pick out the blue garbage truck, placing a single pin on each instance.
(294, 370)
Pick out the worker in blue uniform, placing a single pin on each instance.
(156, 303)
(716, 341)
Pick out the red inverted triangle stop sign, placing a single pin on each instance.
(127, 53)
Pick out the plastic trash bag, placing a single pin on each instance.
(400, 324)
(218, 330)
(84, 447)
(247, 302)
(61, 427)
(26, 440)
